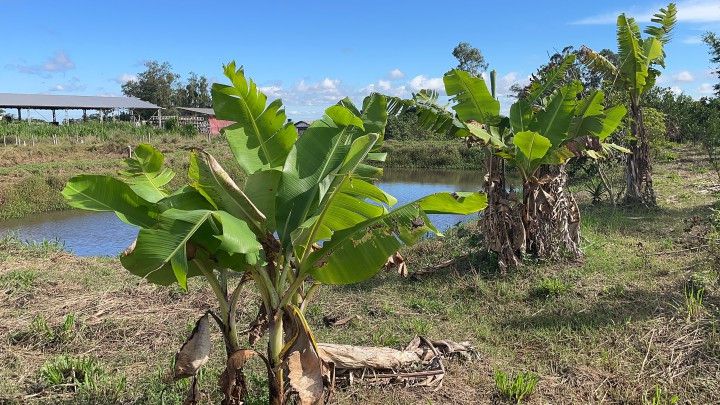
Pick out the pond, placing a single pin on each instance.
(103, 234)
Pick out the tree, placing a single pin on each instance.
(712, 41)
(193, 93)
(711, 108)
(156, 84)
(545, 129)
(470, 59)
(635, 73)
(308, 211)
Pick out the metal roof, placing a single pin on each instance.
(58, 102)
(204, 111)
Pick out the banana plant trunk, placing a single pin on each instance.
(551, 216)
(501, 226)
(276, 381)
(638, 174)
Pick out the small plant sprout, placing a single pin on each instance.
(659, 397)
(515, 388)
(308, 214)
(694, 301)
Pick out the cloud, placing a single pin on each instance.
(676, 90)
(71, 86)
(125, 77)
(385, 87)
(684, 77)
(420, 82)
(57, 63)
(396, 74)
(691, 11)
(706, 89)
(272, 91)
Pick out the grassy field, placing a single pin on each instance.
(32, 177)
(634, 322)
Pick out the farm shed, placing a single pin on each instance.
(54, 103)
(214, 125)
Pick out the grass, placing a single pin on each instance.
(609, 329)
(515, 388)
(32, 177)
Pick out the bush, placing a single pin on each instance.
(188, 130)
(171, 124)
(654, 121)
(32, 194)
(432, 154)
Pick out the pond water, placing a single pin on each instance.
(103, 234)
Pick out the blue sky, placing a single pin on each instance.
(313, 53)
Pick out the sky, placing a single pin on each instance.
(313, 53)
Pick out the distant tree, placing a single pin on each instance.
(406, 126)
(470, 59)
(193, 93)
(682, 113)
(155, 85)
(712, 40)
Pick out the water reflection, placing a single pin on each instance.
(103, 234)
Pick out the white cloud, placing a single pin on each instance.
(71, 86)
(676, 90)
(125, 77)
(329, 84)
(692, 11)
(273, 91)
(384, 85)
(396, 74)
(59, 62)
(706, 89)
(420, 82)
(684, 77)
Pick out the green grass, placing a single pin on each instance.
(515, 387)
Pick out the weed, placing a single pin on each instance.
(659, 397)
(550, 287)
(17, 281)
(71, 373)
(40, 332)
(693, 301)
(515, 388)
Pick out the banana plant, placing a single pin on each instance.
(544, 130)
(640, 59)
(308, 214)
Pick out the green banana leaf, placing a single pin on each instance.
(357, 253)
(146, 175)
(261, 137)
(104, 193)
(473, 99)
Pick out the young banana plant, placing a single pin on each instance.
(308, 214)
(640, 59)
